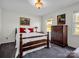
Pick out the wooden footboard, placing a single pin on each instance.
(32, 44)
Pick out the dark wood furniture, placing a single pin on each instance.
(59, 35)
(32, 44)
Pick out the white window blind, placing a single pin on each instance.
(76, 32)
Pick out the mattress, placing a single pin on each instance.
(34, 34)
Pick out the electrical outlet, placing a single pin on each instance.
(6, 37)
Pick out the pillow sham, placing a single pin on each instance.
(22, 30)
(31, 29)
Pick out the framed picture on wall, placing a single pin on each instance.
(24, 21)
(61, 19)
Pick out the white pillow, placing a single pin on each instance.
(27, 31)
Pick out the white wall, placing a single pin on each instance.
(73, 40)
(0, 25)
(10, 20)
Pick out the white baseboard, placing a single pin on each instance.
(7, 42)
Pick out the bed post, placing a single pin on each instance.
(47, 39)
(20, 51)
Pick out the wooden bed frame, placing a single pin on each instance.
(32, 44)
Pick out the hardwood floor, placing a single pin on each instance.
(7, 50)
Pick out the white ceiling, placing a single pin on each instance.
(27, 6)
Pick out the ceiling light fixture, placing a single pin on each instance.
(39, 4)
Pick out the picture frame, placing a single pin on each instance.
(24, 21)
(61, 19)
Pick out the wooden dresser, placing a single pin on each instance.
(59, 35)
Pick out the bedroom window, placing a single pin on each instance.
(76, 30)
(49, 23)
